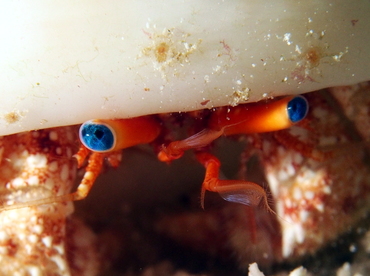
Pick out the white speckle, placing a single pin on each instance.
(60, 249)
(303, 215)
(32, 238)
(288, 241)
(297, 194)
(288, 203)
(33, 180)
(298, 49)
(273, 183)
(50, 183)
(206, 78)
(22, 226)
(64, 173)
(326, 190)
(345, 270)
(53, 166)
(217, 68)
(298, 158)
(3, 250)
(60, 262)
(48, 240)
(287, 37)
(290, 169)
(3, 236)
(299, 233)
(12, 215)
(33, 219)
(254, 270)
(34, 271)
(53, 136)
(339, 56)
(18, 182)
(37, 229)
(299, 271)
(309, 195)
(320, 207)
(238, 82)
(253, 65)
(36, 161)
(28, 248)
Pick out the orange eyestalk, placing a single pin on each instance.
(110, 135)
(258, 117)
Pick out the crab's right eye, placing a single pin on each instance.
(98, 137)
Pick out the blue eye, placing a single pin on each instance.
(297, 109)
(97, 137)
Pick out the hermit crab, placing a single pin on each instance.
(171, 64)
(105, 136)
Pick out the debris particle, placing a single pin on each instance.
(161, 51)
(205, 102)
(354, 21)
(169, 48)
(13, 117)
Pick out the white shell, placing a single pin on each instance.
(65, 62)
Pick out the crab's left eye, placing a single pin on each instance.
(98, 137)
(297, 109)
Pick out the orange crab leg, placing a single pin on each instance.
(238, 191)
